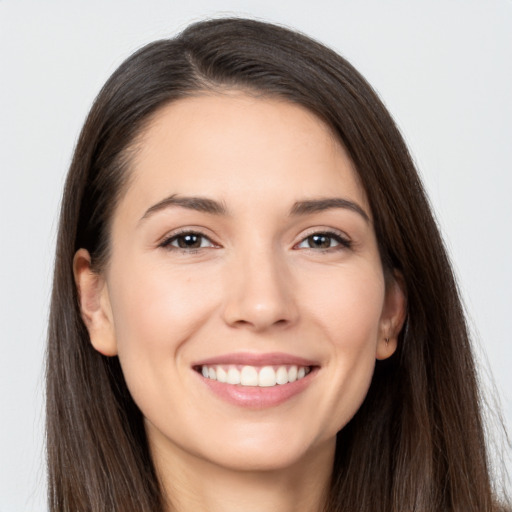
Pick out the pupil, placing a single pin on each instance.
(189, 241)
(322, 241)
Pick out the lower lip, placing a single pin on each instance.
(255, 397)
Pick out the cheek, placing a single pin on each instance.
(349, 317)
(349, 304)
(156, 311)
(156, 308)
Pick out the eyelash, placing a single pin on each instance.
(167, 242)
(343, 242)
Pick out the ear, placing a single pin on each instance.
(94, 304)
(393, 316)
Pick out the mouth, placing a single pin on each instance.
(254, 376)
(256, 381)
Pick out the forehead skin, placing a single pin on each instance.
(162, 153)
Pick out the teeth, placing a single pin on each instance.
(233, 376)
(267, 377)
(222, 376)
(281, 375)
(264, 377)
(249, 376)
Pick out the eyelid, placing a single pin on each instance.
(166, 241)
(342, 238)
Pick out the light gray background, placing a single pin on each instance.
(443, 67)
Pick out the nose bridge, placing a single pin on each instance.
(259, 292)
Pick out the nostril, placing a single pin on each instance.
(260, 323)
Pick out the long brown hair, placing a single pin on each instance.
(417, 442)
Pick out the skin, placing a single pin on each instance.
(258, 284)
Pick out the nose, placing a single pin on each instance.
(259, 292)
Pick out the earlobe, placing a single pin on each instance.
(94, 304)
(393, 316)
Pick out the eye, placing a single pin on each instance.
(187, 240)
(323, 241)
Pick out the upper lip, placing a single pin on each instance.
(252, 359)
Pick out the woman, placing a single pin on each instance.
(252, 307)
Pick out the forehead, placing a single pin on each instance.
(236, 147)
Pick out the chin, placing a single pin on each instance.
(258, 461)
(267, 451)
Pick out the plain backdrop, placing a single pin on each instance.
(443, 68)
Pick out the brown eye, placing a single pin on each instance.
(323, 241)
(187, 240)
(190, 241)
(320, 241)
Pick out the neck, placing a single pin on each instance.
(193, 484)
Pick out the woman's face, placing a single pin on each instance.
(242, 250)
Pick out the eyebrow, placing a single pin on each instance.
(200, 204)
(320, 205)
(211, 206)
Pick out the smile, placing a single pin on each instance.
(256, 381)
(263, 376)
